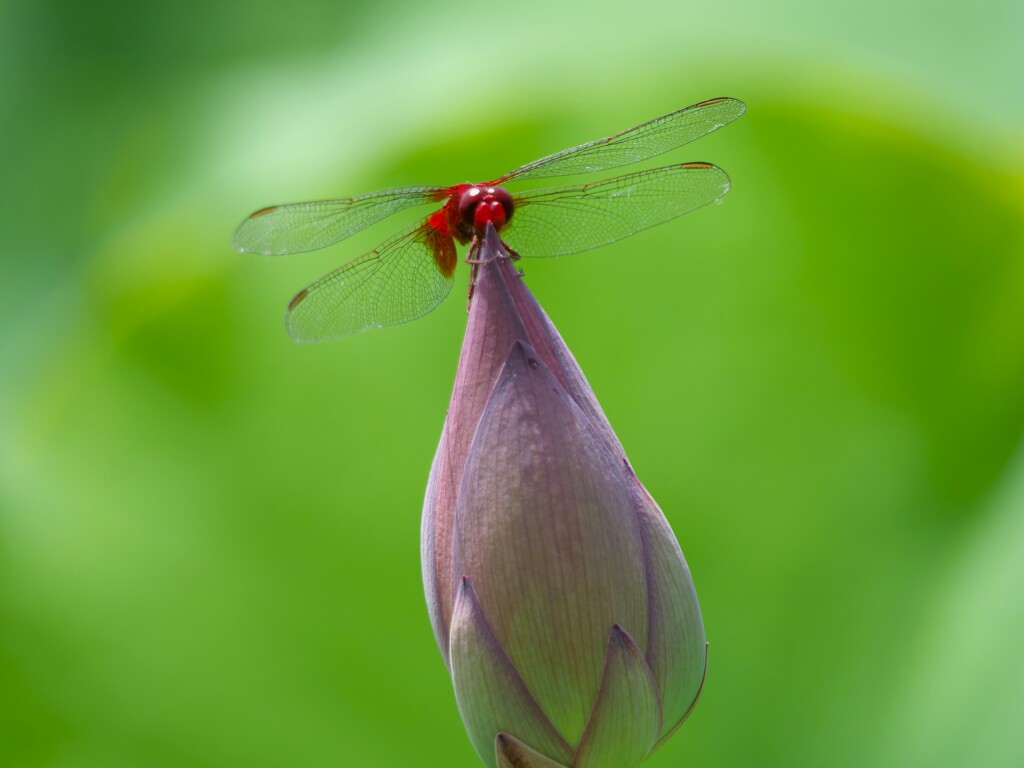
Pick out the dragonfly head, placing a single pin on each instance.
(479, 205)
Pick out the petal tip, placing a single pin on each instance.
(627, 716)
(509, 752)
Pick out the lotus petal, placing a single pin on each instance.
(676, 648)
(544, 529)
(512, 753)
(626, 720)
(491, 695)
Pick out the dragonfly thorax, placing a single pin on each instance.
(479, 205)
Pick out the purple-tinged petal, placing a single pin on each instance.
(504, 280)
(502, 312)
(626, 720)
(512, 753)
(428, 547)
(676, 648)
(492, 697)
(546, 532)
(669, 729)
(494, 325)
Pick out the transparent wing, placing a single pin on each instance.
(640, 143)
(562, 220)
(405, 278)
(298, 227)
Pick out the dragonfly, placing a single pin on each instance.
(411, 273)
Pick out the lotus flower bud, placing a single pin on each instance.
(559, 596)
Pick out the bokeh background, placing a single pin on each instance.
(209, 536)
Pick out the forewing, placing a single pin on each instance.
(401, 280)
(562, 220)
(297, 227)
(640, 143)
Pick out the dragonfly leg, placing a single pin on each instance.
(471, 256)
(472, 284)
(474, 267)
(515, 256)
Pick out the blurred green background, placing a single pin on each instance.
(209, 536)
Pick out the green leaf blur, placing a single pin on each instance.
(209, 536)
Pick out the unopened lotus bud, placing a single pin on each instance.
(558, 594)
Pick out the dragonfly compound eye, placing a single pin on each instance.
(480, 205)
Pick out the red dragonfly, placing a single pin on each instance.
(411, 273)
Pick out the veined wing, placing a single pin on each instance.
(297, 227)
(562, 220)
(405, 278)
(640, 143)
